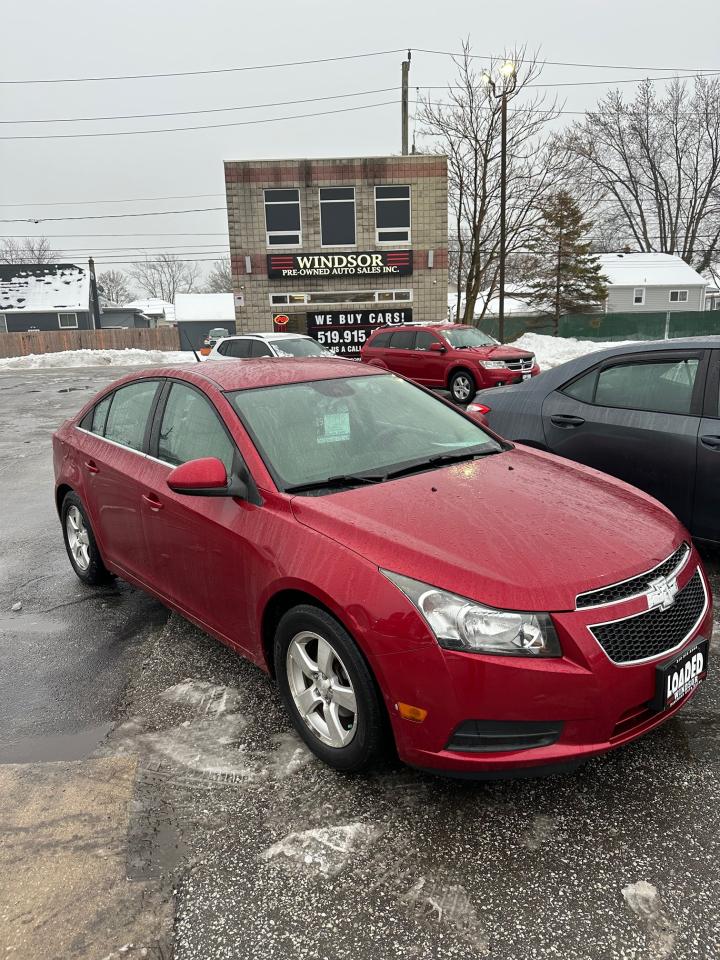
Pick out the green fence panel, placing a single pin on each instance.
(697, 323)
(614, 326)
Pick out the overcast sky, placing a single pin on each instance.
(80, 38)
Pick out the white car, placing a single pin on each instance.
(267, 345)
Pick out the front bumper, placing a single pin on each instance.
(597, 704)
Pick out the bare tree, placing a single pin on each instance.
(165, 275)
(653, 165)
(220, 278)
(114, 285)
(31, 250)
(467, 129)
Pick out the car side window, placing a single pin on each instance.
(402, 339)
(128, 414)
(222, 348)
(260, 349)
(381, 340)
(583, 388)
(237, 348)
(662, 386)
(423, 339)
(94, 420)
(191, 428)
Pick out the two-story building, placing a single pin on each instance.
(336, 247)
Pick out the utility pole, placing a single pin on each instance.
(94, 294)
(404, 103)
(503, 201)
(556, 325)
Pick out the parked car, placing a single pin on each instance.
(452, 356)
(217, 333)
(648, 414)
(399, 570)
(267, 345)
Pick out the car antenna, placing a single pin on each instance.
(188, 343)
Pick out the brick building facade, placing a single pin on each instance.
(338, 246)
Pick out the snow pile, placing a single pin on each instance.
(41, 287)
(97, 358)
(552, 351)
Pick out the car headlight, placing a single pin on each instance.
(493, 364)
(462, 624)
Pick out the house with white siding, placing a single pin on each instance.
(651, 283)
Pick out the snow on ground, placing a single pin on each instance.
(552, 351)
(97, 358)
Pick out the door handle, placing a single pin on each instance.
(566, 420)
(711, 441)
(152, 501)
(92, 467)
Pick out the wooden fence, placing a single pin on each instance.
(55, 341)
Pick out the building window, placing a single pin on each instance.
(282, 218)
(67, 321)
(342, 296)
(678, 296)
(337, 216)
(392, 214)
(639, 296)
(3, 323)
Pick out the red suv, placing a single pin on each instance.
(460, 358)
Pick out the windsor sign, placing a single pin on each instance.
(386, 263)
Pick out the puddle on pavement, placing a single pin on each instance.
(53, 749)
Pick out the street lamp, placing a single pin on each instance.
(508, 82)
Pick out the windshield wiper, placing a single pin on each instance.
(439, 460)
(333, 483)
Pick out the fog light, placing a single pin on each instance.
(408, 712)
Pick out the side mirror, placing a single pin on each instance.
(206, 477)
(437, 347)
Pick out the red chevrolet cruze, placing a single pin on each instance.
(399, 570)
(453, 356)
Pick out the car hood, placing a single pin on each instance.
(496, 353)
(522, 530)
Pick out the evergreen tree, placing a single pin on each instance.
(567, 275)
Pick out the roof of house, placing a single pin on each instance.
(648, 269)
(204, 306)
(154, 307)
(43, 287)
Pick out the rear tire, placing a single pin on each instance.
(80, 543)
(328, 690)
(462, 386)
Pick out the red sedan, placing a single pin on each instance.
(403, 573)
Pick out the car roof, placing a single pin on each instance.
(268, 336)
(264, 371)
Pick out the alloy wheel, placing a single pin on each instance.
(462, 387)
(321, 689)
(78, 539)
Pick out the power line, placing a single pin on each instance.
(199, 73)
(113, 216)
(207, 126)
(59, 236)
(565, 63)
(181, 113)
(82, 203)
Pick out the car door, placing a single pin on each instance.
(113, 464)
(429, 365)
(706, 512)
(637, 418)
(401, 357)
(201, 547)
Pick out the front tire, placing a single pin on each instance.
(462, 386)
(328, 690)
(80, 543)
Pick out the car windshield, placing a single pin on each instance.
(468, 337)
(300, 347)
(327, 434)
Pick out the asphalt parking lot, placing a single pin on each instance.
(157, 803)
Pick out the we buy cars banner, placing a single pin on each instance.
(345, 331)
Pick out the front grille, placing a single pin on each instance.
(631, 588)
(521, 365)
(651, 634)
(497, 736)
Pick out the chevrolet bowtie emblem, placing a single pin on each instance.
(661, 593)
